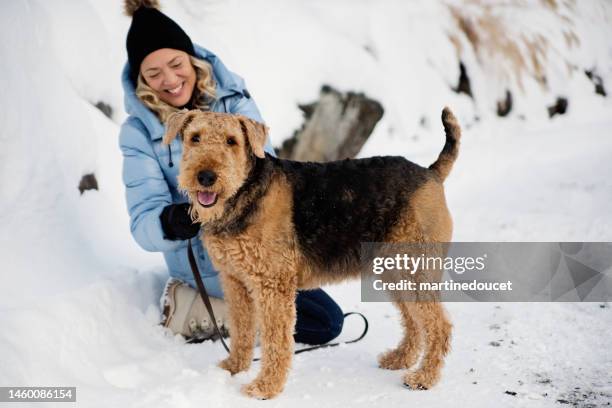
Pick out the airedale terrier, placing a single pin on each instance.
(272, 226)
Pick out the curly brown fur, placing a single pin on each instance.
(406, 354)
(131, 6)
(275, 226)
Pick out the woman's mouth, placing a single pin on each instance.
(176, 91)
(207, 198)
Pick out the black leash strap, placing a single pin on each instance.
(204, 293)
(365, 331)
(206, 299)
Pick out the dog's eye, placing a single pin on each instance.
(231, 141)
(195, 139)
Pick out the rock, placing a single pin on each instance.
(88, 182)
(505, 106)
(559, 108)
(335, 127)
(597, 81)
(105, 108)
(463, 85)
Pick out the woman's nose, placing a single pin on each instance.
(169, 77)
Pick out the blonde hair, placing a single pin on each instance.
(203, 92)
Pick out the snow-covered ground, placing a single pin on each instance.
(79, 299)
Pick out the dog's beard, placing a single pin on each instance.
(197, 212)
(201, 214)
(193, 213)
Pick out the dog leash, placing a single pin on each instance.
(204, 293)
(211, 314)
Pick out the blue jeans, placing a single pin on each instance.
(319, 318)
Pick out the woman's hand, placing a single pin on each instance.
(177, 223)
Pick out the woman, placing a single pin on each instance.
(166, 72)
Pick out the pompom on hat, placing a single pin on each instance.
(150, 31)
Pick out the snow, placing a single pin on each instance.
(79, 299)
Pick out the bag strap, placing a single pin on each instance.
(206, 299)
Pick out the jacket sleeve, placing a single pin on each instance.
(244, 104)
(146, 189)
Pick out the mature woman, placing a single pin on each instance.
(166, 72)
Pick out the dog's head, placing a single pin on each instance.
(219, 151)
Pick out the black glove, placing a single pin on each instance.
(176, 222)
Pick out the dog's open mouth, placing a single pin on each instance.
(207, 198)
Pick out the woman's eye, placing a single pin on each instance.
(195, 139)
(176, 65)
(231, 141)
(153, 76)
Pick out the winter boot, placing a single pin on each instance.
(184, 313)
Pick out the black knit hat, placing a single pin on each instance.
(150, 31)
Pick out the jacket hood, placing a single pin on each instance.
(227, 83)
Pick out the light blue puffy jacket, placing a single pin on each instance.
(150, 170)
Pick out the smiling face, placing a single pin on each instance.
(170, 74)
(218, 153)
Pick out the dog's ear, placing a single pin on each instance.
(255, 133)
(176, 124)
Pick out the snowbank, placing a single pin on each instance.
(78, 301)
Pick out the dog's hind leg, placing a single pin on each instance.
(241, 325)
(437, 329)
(275, 305)
(406, 353)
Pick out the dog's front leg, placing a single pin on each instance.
(241, 325)
(275, 308)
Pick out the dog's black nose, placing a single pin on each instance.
(207, 178)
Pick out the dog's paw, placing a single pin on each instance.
(420, 380)
(261, 390)
(234, 366)
(396, 360)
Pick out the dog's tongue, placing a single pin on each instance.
(206, 197)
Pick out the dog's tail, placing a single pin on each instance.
(448, 155)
